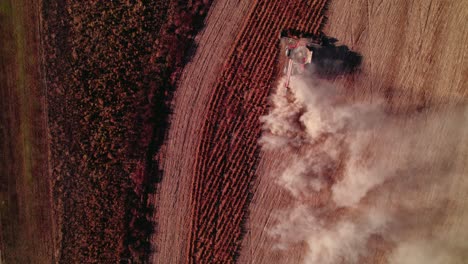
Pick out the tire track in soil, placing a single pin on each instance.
(228, 152)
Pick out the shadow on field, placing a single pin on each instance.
(331, 60)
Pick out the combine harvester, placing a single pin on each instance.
(299, 52)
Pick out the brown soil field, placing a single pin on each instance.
(27, 227)
(112, 68)
(85, 109)
(98, 77)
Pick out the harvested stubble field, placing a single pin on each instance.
(211, 158)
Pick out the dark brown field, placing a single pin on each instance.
(86, 107)
(25, 183)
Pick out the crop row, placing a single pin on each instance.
(228, 154)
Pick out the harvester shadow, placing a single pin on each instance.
(330, 60)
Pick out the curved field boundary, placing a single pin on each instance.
(223, 24)
(228, 153)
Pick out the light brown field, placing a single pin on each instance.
(416, 55)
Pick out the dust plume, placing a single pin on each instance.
(360, 174)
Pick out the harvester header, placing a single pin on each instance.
(298, 50)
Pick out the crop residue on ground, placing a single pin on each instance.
(363, 179)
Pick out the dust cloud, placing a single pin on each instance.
(362, 179)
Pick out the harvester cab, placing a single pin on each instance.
(298, 51)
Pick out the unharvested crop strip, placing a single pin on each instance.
(225, 164)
